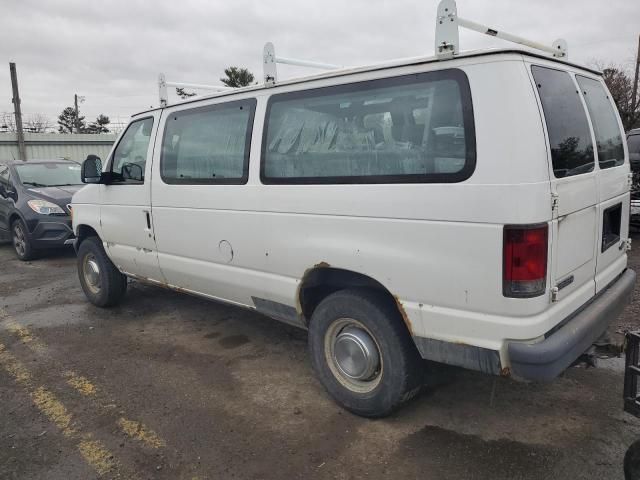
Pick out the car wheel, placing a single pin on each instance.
(21, 243)
(632, 462)
(101, 281)
(362, 352)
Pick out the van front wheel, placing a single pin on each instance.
(362, 352)
(101, 281)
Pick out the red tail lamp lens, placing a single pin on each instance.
(525, 260)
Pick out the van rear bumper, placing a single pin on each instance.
(545, 360)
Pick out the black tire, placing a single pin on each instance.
(21, 243)
(109, 286)
(632, 462)
(400, 371)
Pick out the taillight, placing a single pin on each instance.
(525, 260)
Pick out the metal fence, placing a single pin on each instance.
(42, 146)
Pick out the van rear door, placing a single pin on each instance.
(574, 183)
(612, 173)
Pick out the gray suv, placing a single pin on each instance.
(34, 204)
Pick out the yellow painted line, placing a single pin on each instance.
(81, 384)
(139, 432)
(84, 386)
(97, 456)
(21, 332)
(53, 409)
(92, 450)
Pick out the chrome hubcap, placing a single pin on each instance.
(19, 242)
(91, 272)
(356, 354)
(353, 355)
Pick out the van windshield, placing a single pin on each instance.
(605, 123)
(567, 126)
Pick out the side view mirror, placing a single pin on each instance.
(8, 191)
(91, 171)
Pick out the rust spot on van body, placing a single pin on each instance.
(322, 264)
(403, 314)
(505, 372)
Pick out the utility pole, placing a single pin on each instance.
(77, 123)
(22, 150)
(634, 97)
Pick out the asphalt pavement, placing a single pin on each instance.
(168, 386)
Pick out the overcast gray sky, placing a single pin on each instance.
(111, 52)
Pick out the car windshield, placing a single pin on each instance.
(634, 148)
(49, 174)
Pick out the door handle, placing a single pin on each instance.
(147, 217)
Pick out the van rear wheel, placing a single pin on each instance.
(101, 281)
(362, 353)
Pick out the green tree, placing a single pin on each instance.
(67, 121)
(99, 125)
(237, 77)
(182, 93)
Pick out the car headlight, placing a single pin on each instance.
(44, 208)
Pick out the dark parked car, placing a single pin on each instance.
(633, 141)
(34, 204)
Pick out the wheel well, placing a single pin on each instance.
(320, 282)
(85, 231)
(14, 216)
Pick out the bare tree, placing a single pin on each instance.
(37, 123)
(7, 122)
(620, 84)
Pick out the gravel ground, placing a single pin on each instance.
(168, 386)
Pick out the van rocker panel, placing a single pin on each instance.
(545, 360)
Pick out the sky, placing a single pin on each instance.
(112, 52)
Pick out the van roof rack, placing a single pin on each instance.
(448, 40)
(163, 84)
(270, 59)
(447, 45)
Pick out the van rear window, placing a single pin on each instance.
(566, 119)
(605, 123)
(414, 128)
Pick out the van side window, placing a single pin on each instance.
(605, 123)
(208, 144)
(566, 119)
(414, 128)
(130, 156)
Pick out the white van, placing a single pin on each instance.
(472, 211)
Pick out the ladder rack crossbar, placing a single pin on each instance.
(307, 63)
(270, 61)
(163, 84)
(478, 27)
(447, 42)
(198, 86)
